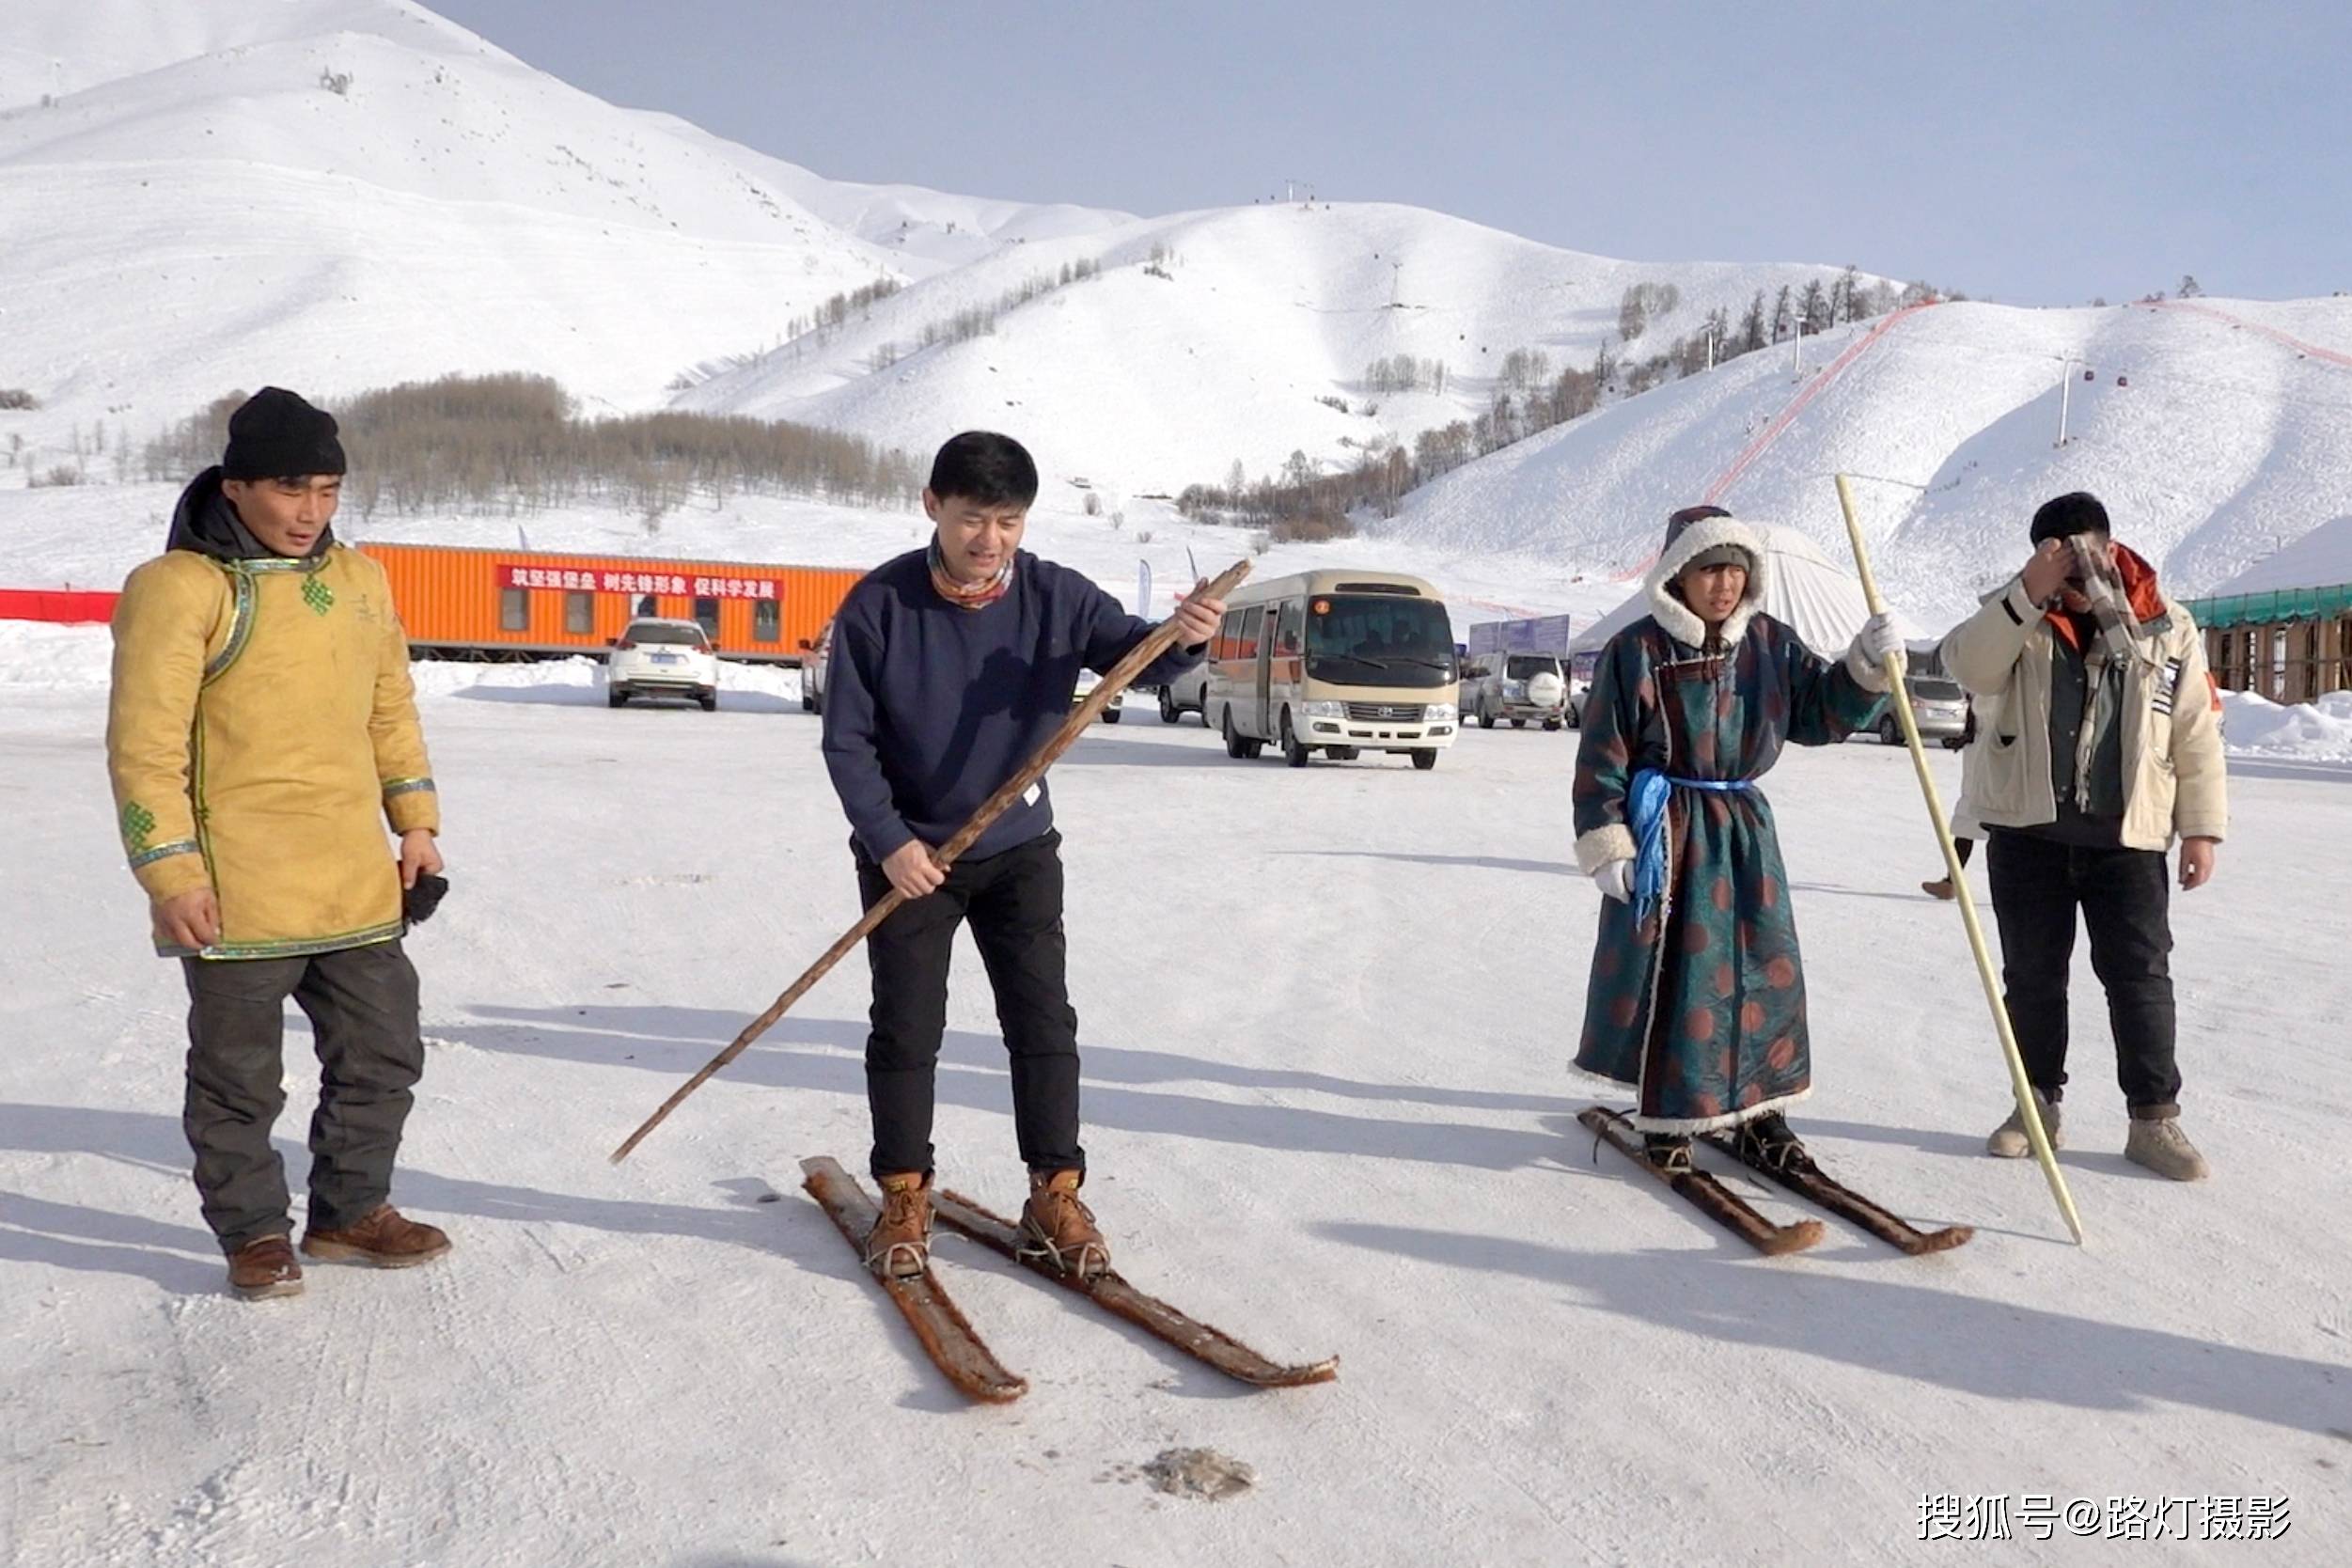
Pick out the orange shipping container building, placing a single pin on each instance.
(521, 603)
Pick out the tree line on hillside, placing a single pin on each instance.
(516, 443)
(1525, 396)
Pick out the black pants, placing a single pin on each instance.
(1013, 903)
(2125, 897)
(362, 1006)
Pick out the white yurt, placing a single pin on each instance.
(1803, 588)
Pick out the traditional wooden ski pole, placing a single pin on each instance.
(2017, 1082)
(1122, 674)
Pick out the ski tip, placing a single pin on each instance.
(1325, 1371)
(816, 1165)
(1793, 1237)
(1945, 1239)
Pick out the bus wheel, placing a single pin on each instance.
(1235, 746)
(1425, 759)
(1167, 706)
(1292, 753)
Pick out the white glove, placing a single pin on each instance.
(1878, 638)
(1615, 879)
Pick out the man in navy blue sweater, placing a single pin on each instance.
(951, 668)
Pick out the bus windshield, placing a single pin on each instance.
(1368, 639)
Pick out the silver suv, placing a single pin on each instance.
(1515, 687)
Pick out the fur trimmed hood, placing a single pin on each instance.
(1685, 545)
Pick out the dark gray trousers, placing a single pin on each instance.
(362, 1007)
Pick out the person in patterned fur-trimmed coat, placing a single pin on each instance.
(1698, 993)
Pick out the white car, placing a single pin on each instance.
(1088, 681)
(1187, 694)
(812, 669)
(661, 658)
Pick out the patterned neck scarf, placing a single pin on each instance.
(968, 596)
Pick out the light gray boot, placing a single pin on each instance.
(2009, 1140)
(2163, 1148)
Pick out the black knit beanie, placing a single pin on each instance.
(2077, 513)
(277, 435)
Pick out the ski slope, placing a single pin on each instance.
(2212, 445)
(1332, 1116)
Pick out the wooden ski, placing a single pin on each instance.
(946, 1337)
(1703, 1192)
(1114, 1295)
(1819, 1188)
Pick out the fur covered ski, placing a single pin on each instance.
(1114, 1295)
(1817, 1186)
(947, 1338)
(1704, 1193)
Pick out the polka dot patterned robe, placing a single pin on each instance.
(1703, 1005)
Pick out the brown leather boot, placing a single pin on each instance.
(1055, 1225)
(264, 1268)
(898, 1246)
(385, 1238)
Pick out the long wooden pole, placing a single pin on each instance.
(1121, 674)
(2018, 1082)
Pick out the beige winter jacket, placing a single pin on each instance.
(2174, 774)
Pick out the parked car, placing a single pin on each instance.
(812, 669)
(1187, 694)
(1088, 681)
(1937, 703)
(663, 658)
(1515, 687)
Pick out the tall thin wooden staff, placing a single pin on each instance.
(2018, 1082)
(1122, 674)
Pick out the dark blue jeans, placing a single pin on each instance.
(1013, 904)
(2124, 898)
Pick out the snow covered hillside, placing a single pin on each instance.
(1214, 338)
(2212, 442)
(343, 193)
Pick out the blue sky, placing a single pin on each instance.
(2032, 153)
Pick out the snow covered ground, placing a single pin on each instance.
(1325, 1017)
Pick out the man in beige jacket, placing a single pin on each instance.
(2104, 745)
(261, 735)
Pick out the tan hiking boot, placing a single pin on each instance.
(2009, 1140)
(385, 1238)
(1940, 888)
(898, 1246)
(1055, 1225)
(2163, 1148)
(264, 1268)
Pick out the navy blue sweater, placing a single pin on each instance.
(930, 707)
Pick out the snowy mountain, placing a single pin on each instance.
(2215, 432)
(1232, 335)
(341, 194)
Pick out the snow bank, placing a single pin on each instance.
(2311, 731)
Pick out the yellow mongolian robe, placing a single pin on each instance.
(262, 730)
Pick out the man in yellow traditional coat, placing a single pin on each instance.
(261, 732)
